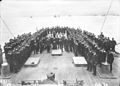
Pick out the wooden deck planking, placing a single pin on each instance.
(63, 68)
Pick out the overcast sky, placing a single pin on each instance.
(22, 16)
(58, 7)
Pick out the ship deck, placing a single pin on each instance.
(64, 69)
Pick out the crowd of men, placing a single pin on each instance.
(17, 51)
(95, 49)
(53, 38)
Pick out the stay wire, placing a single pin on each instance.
(7, 26)
(106, 16)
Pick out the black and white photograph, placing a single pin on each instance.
(59, 42)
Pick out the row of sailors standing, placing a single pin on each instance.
(57, 40)
(53, 40)
(57, 35)
(83, 45)
(17, 51)
(70, 39)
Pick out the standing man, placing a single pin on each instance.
(113, 43)
(35, 47)
(110, 60)
(48, 45)
(1, 59)
(94, 63)
(89, 60)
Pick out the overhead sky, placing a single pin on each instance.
(58, 7)
(22, 16)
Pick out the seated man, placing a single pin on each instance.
(50, 79)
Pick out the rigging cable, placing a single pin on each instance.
(6, 26)
(106, 16)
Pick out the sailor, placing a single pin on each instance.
(94, 63)
(10, 60)
(110, 59)
(17, 61)
(75, 48)
(103, 57)
(89, 60)
(101, 35)
(41, 46)
(50, 79)
(1, 58)
(61, 43)
(54, 44)
(113, 43)
(35, 47)
(57, 40)
(66, 44)
(99, 54)
(48, 45)
(71, 44)
(107, 45)
(79, 47)
(32, 44)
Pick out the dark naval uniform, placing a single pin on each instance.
(110, 60)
